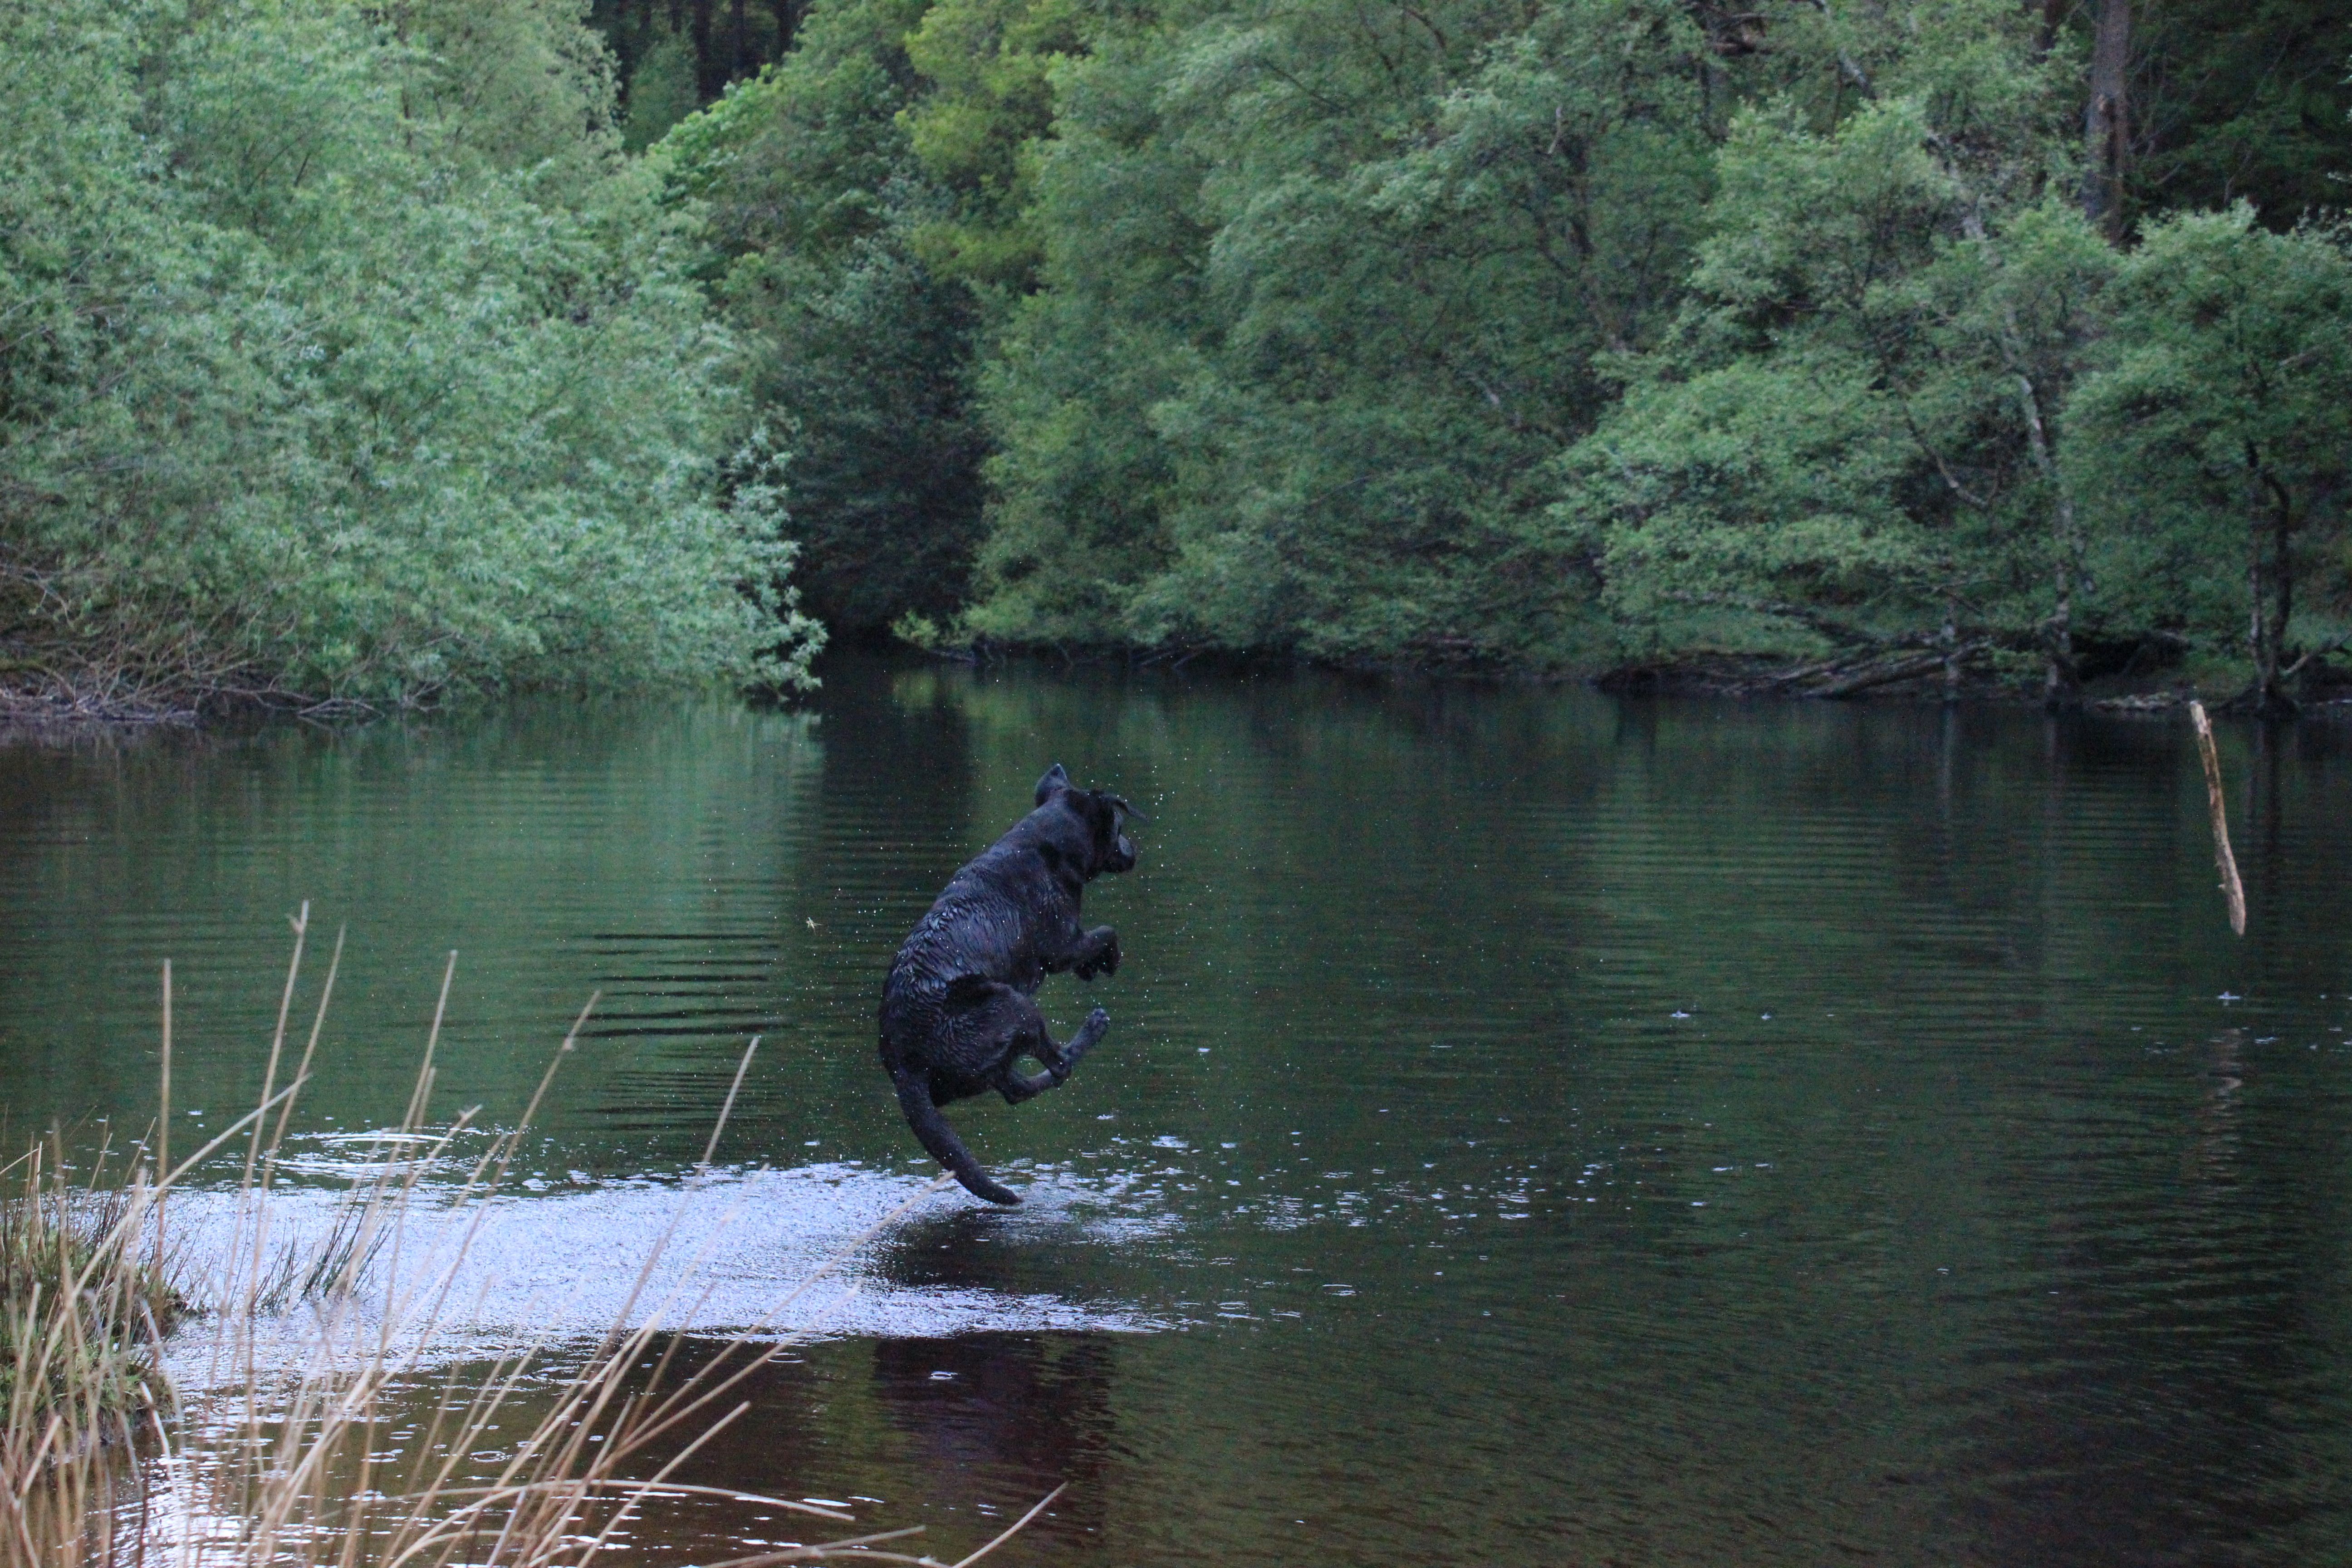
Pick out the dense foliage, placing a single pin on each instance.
(343, 357)
(1554, 334)
(817, 209)
(2217, 435)
(364, 352)
(1850, 427)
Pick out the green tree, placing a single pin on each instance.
(661, 92)
(1323, 288)
(2237, 102)
(856, 345)
(979, 125)
(1445, 332)
(340, 374)
(514, 85)
(1079, 474)
(2217, 440)
(1851, 431)
(721, 45)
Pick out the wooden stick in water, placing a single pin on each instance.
(2232, 889)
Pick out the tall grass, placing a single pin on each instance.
(282, 1460)
(77, 1320)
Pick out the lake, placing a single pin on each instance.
(1536, 1126)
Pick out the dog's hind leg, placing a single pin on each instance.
(940, 1140)
(1032, 1039)
(1059, 1059)
(1020, 1088)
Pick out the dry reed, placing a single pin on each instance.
(284, 1465)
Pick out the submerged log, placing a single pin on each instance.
(1909, 668)
(1801, 673)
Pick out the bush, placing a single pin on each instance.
(349, 362)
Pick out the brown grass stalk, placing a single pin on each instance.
(280, 1465)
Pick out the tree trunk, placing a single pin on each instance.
(2062, 684)
(2106, 124)
(1951, 650)
(2270, 582)
(648, 26)
(707, 82)
(1887, 674)
(2282, 567)
(2281, 592)
(739, 61)
(2258, 636)
(2262, 631)
(787, 23)
(2062, 687)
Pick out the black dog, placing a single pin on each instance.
(957, 1016)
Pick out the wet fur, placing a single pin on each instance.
(957, 1013)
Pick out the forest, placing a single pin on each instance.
(374, 354)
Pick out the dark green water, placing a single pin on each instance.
(1536, 1127)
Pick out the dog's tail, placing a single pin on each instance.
(915, 1100)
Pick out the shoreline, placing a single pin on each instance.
(1911, 677)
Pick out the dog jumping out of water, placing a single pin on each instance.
(957, 1013)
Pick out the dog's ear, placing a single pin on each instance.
(1054, 779)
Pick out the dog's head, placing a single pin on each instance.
(1104, 817)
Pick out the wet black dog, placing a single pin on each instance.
(957, 1016)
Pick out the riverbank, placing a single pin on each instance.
(2150, 677)
(1902, 678)
(1922, 677)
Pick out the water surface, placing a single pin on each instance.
(1536, 1126)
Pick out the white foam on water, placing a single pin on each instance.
(775, 1253)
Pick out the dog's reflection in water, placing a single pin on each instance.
(1009, 1416)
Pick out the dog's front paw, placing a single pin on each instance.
(1105, 961)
